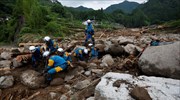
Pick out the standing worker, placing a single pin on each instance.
(93, 52)
(51, 45)
(55, 64)
(89, 32)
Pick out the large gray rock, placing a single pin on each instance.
(32, 79)
(161, 60)
(6, 81)
(5, 64)
(107, 59)
(123, 41)
(117, 86)
(101, 47)
(6, 55)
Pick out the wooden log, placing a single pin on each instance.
(30, 44)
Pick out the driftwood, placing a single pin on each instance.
(32, 96)
(30, 44)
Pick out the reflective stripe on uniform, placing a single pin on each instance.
(50, 62)
(58, 69)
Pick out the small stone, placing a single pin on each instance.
(91, 98)
(97, 71)
(53, 95)
(87, 73)
(5, 64)
(82, 84)
(64, 97)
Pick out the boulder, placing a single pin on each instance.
(6, 81)
(124, 41)
(5, 64)
(161, 60)
(132, 49)
(100, 47)
(32, 79)
(16, 63)
(115, 50)
(6, 55)
(108, 60)
(117, 86)
(92, 65)
(64, 97)
(82, 84)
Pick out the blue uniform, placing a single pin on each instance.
(94, 53)
(36, 56)
(89, 32)
(52, 46)
(67, 57)
(79, 53)
(56, 64)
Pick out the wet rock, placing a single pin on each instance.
(6, 55)
(32, 79)
(100, 47)
(124, 41)
(82, 84)
(64, 97)
(87, 73)
(91, 98)
(97, 71)
(139, 93)
(132, 49)
(57, 81)
(16, 63)
(6, 81)
(161, 60)
(92, 65)
(68, 77)
(5, 64)
(117, 86)
(108, 60)
(103, 65)
(115, 50)
(53, 95)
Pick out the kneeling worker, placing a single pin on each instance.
(65, 55)
(55, 65)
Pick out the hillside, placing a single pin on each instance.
(125, 6)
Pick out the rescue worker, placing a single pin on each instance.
(51, 45)
(55, 64)
(89, 32)
(81, 54)
(65, 55)
(93, 52)
(36, 55)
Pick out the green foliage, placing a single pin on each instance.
(175, 23)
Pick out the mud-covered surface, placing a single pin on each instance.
(78, 83)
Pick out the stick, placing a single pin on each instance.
(32, 96)
(101, 35)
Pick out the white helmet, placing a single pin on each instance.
(47, 38)
(86, 51)
(90, 44)
(32, 48)
(46, 53)
(88, 21)
(60, 50)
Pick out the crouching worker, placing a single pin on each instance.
(65, 55)
(36, 55)
(55, 64)
(93, 52)
(81, 54)
(51, 45)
